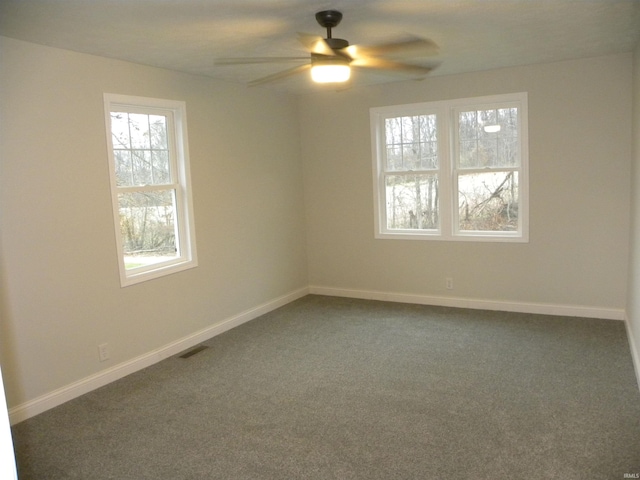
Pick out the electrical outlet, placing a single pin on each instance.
(103, 351)
(449, 283)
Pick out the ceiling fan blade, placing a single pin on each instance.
(251, 60)
(410, 46)
(315, 44)
(391, 66)
(280, 75)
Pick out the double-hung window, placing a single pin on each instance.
(452, 170)
(150, 186)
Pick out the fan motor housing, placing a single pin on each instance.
(318, 59)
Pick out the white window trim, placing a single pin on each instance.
(446, 112)
(184, 202)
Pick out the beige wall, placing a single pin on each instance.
(633, 291)
(61, 294)
(580, 151)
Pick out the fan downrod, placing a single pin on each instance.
(329, 19)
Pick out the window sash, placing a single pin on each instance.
(168, 145)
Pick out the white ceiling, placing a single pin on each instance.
(188, 35)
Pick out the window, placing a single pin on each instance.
(452, 170)
(150, 186)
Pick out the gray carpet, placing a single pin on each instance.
(332, 388)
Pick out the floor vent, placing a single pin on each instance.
(193, 351)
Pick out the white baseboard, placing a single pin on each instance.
(635, 355)
(64, 394)
(474, 303)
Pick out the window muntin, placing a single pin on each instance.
(453, 170)
(150, 186)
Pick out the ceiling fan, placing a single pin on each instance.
(331, 58)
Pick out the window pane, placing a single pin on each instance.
(428, 128)
(410, 129)
(148, 227)
(488, 201)
(428, 155)
(139, 130)
(508, 119)
(488, 138)
(394, 157)
(411, 156)
(487, 151)
(468, 154)
(158, 131)
(120, 130)
(123, 168)
(412, 201)
(160, 167)
(393, 131)
(468, 125)
(487, 117)
(508, 152)
(141, 167)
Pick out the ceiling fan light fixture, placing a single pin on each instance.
(330, 70)
(330, 73)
